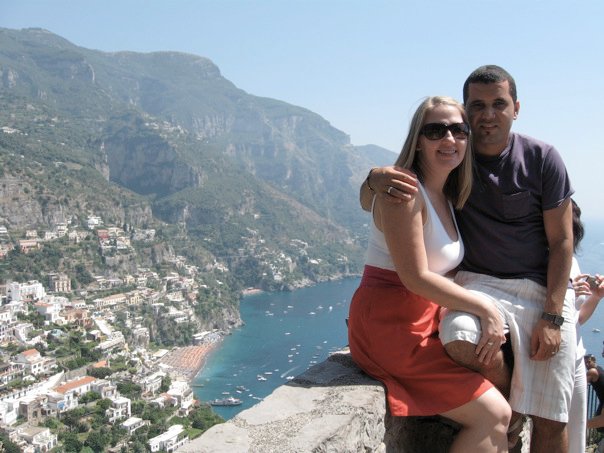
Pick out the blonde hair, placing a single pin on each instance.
(459, 183)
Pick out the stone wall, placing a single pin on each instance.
(332, 407)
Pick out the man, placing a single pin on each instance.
(517, 231)
(595, 376)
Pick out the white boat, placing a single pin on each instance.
(261, 378)
(595, 330)
(230, 401)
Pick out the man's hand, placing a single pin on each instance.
(545, 340)
(395, 184)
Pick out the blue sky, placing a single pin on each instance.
(364, 65)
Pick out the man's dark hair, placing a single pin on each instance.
(489, 74)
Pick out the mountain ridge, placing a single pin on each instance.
(170, 141)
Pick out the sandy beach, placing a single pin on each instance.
(187, 361)
(250, 291)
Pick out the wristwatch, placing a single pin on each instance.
(553, 318)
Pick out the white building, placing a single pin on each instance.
(169, 441)
(133, 423)
(34, 363)
(32, 290)
(50, 309)
(151, 384)
(9, 411)
(116, 339)
(104, 388)
(93, 222)
(40, 438)
(120, 408)
(183, 395)
(61, 402)
(10, 372)
(7, 321)
(65, 396)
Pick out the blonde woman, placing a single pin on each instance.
(393, 317)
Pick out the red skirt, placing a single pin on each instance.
(393, 337)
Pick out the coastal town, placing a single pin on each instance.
(79, 369)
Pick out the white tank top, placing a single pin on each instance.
(443, 253)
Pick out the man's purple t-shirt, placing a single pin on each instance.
(502, 222)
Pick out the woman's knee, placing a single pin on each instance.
(489, 410)
(500, 408)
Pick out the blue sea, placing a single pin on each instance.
(285, 333)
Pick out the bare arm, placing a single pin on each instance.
(403, 181)
(592, 296)
(411, 263)
(596, 422)
(546, 337)
(592, 375)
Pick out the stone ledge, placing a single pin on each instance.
(332, 407)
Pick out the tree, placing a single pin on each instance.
(82, 275)
(100, 373)
(51, 423)
(166, 382)
(117, 433)
(8, 446)
(98, 440)
(129, 389)
(71, 443)
(103, 405)
(204, 418)
(89, 397)
(72, 418)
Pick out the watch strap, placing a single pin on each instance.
(555, 319)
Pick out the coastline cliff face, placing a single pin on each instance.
(264, 189)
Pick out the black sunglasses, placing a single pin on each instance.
(437, 131)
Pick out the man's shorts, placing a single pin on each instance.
(540, 388)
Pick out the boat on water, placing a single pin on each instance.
(230, 401)
(261, 378)
(595, 330)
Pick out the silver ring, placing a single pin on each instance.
(389, 189)
(553, 352)
(490, 343)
